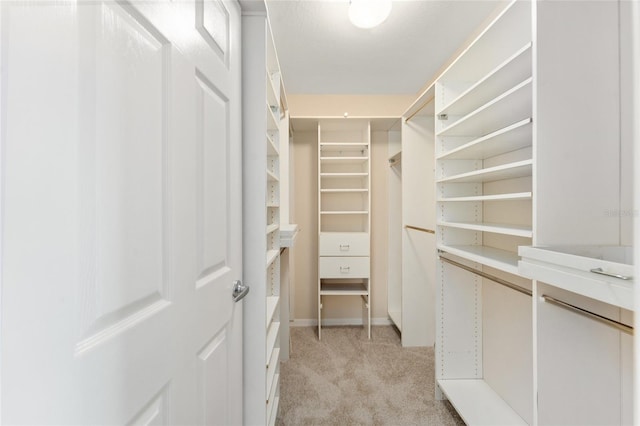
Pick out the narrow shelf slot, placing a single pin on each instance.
(506, 108)
(496, 228)
(343, 289)
(511, 138)
(330, 190)
(478, 404)
(343, 175)
(272, 305)
(272, 149)
(344, 160)
(272, 228)
(491, 174)
(510, 72)
(272, 338)
(495, 197)
(502, 260)
(271, 256)
(272, 177)
(346, 212)
(272, 367)
(272, 120)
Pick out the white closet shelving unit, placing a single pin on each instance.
(519, 158)
(264, 117)
(484, 167)
(344, 219)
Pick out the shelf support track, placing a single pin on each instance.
(493, 278)
(608, 321)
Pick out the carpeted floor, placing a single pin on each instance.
(346, 379)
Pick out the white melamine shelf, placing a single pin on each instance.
(343, 289)
(272, 305)
(504, 171)
(272, 96)
(271, 256)
(344, 160)
(511, 138)
(496, 228)
(330, 190)
(478, 404)
(274, 412)
(343, 146)
(272, 177)
(350, 212)
(272, 338)
(271, 368)
(272, 120)
(503, 260)
(494, 197)
(343, 175)
(272, 228)
(512, 105)
(272, 149)
(273, 205)
(396, 317)
(506, 75)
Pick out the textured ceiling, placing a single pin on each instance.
(321, 52)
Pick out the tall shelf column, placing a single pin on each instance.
(344, 213)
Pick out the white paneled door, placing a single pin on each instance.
(121, 201)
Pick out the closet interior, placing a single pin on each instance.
(488, 220)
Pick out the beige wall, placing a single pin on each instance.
(304, 163)
(354, 105)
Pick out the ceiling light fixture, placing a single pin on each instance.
(368, 13)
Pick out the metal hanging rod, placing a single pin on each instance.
(417, 228)
(427, 102)
(608, 321)
(493, 278)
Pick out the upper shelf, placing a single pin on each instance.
(509, 73)
(491, 174)
(511, 106)
(511, 138)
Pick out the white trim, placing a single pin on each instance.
(311, 322)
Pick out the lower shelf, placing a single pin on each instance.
(343, 290)
(499, 259)
(396, 317)
(478, 404)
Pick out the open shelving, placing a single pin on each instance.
(484, 195)
(263, 124)
(344, 205)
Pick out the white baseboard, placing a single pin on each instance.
(338, 321)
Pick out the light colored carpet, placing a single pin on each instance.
(346, 379)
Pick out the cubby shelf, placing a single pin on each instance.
(343, 175)
(513, 105)
(496, 228)
(272, 228)
(496, 197)
(272, 305)
(509, 73)
(272, 176)
(511, 138)
(344, 160)
(345, 212)
(504, 171)
(272, 337)
(340, 190)
(272, 119)
(272, 150)
(271, 256)
(344, 289)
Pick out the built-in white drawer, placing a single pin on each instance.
(344, 267)
(344, 244)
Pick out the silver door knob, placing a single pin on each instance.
(239, 290)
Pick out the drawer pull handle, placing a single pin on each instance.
(609, 274)
(344, 247)
(345, 269)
